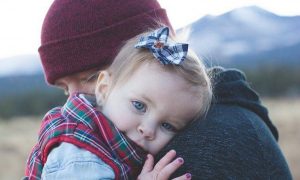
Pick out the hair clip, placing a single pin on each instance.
(166, 53)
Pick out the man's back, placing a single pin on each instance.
(236, 140)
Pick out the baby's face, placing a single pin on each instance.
(152, 106)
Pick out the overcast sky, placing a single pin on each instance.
(21, 20)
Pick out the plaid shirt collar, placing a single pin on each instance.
(80, 107)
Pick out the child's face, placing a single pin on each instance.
(152, 106)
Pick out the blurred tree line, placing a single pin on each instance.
(32, 103)
(30, 96)
(274, 81)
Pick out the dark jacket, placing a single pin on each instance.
(236, 140)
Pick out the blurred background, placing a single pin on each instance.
(261, 37)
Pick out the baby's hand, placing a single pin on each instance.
(163, 169)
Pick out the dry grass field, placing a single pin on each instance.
(17, 137)
(285, 114)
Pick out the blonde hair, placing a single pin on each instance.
(129, 59)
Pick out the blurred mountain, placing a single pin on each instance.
(266, 44)
(21, 75)
(22, 84)
(22, 64)
(247, 36)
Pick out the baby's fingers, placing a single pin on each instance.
(164, 161)
(169, 169)
(148, 166)
(184, 177)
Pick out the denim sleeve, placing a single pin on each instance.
(67, 161)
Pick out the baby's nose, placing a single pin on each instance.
(147, 132)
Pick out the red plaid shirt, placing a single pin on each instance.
(79, 123)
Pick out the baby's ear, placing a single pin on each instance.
(102, 87)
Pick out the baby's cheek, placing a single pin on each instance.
(163, 139)
(120, 117)
(120, 124)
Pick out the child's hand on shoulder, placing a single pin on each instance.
(163, 169)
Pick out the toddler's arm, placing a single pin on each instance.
(67, 161)
(163, 169)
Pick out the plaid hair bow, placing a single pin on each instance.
(166, 53)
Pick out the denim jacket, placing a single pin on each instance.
(92, 154)
(66, 160)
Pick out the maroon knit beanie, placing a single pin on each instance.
(79, 35)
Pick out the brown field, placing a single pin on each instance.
(17, 137)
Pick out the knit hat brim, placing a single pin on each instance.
(94, 49)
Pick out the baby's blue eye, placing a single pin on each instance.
(139, 106)
(169, 127)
